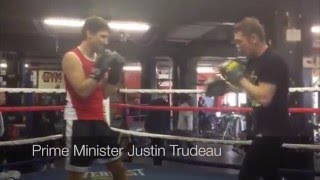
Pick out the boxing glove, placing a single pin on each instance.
(102, 64)
(116, 69)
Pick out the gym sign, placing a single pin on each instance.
(50, 79)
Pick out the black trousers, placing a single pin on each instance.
(159, 143)
(262, 159)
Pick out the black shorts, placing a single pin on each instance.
(89, 140)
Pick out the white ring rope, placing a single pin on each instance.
(193, 91)
(214, 141)
(31, 90)
(31, 140)
(144, 134)
(304, 89)
(149, 91)
(163, 91)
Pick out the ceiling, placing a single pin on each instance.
(163, 13)
(172, 22)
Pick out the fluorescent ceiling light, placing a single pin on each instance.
(132, 68)
(199, 69)
(228, 23)
(65, 22)
(205, 70)
(130, 26)
(315, 29)
(3, 65)
(116, 25)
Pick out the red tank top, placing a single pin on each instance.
(77, 108)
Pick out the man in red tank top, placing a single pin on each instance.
(89, 71)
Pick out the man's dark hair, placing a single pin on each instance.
(94, 24)
(249, 26)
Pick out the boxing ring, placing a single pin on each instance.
(172, 168)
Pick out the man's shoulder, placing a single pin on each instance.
(274, 55)
(70, 55)
(275, 59)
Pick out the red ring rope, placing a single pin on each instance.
(164, 108)
(31, 108)
(222, 109)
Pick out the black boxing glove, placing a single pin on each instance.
(102, 65)
(116, 69)
(216, 88)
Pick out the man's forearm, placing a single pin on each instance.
(87, 87)
(109, 89)
(252, 90)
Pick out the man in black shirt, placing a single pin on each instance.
(265, 79)
(158, 122)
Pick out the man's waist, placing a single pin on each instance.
(80, 113)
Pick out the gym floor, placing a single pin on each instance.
(142, 169)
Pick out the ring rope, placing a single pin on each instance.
(149, 91)
(143, 134)
(31, 140)
(148, 107)
(191, 139)
(31, 108)
(154, 135)
(31, 90)
(220, 109)
(193, 91)
(214, 141)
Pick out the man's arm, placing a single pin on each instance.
(109, 89)
(73, 70)
(266, 88)
(262, 93)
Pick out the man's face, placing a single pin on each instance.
(245, 44)
(99, 40)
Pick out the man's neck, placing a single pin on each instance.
(86, 49)
(261, 49)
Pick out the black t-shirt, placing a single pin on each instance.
(270, 68)
(158, 121)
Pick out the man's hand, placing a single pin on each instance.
(102, 65)
(232, 71)
(116, 69)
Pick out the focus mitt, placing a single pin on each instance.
(232, 71)
(216, 88)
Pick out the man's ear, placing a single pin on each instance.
(254, 38)
(88, 33)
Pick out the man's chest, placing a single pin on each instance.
(253, 72)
